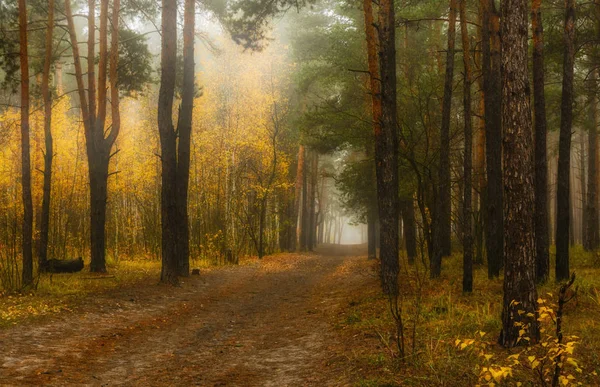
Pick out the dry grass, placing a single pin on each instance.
(446, 314)
(58, 292)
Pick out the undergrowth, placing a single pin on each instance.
(447, 315)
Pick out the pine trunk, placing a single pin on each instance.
(520, 297)
(410, 229)
(468, 161)
(184, 129)
(542, 257)
(442, 228)
(494, 236)
(27, 275)
(49, 151)
(386, 151)
(563, 216)
(168, 146)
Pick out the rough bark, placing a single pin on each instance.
(26, 242)
(442, 228)
(386, 151)
(168, 143)
(184, 130)
(519, 250)
(48, 143)
(563, 216)
(468, 158)
(542, 257)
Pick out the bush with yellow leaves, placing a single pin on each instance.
(551, 362)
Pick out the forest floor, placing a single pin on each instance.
(264, 323)
(315, 319)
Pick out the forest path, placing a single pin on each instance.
(264, 324)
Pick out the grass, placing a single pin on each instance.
(446, 314)
(60, 292)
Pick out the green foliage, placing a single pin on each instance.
(135, 63)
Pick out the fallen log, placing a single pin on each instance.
(64, 265)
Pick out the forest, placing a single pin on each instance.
(300, 192)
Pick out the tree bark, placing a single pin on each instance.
(184, 130)
(442, 228)
(494, 237)
(563, 216)
(468, 161)
(519, 250)
(542, 257)
(305, 218)
(297, 198)
(49, 151)
(168, 143)
(98, 143)
(386, 151)
(375, 91)
(27, 275)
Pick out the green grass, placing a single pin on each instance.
(446, 314)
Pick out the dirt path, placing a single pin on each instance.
(267, 324)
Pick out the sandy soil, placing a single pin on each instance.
(266, 324)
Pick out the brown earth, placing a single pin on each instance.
(265, 324)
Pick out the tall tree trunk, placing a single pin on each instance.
(184, 129)
(297, 196)
(371, 230)
(98, 141)
(27, 275)
(542, 257)
(410, 229)
(386, 151)
(305, 218)
(582, 222)
(442, 229)
(592, 191)
(468, 162)
(563, 216)
(49, 151)
(168, 145)
(91, 61)
(494, 236)
(375, 91)
(519, 274)
(314, 162)
(479, 169)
